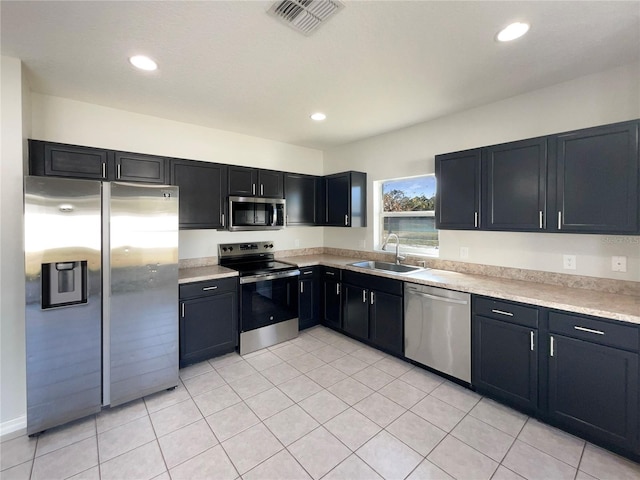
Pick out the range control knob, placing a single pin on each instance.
(224, 249)
(271, 245)
(266, 246)
(231, 249)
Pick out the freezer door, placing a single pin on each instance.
(141, 317)
(63, 300)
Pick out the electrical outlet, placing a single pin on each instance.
(569, 262)
(464, 253)
(363, 243)
(296, 242)
(619, 264)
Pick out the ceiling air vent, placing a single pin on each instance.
(304, 16)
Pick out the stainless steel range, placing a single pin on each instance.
(268, 294)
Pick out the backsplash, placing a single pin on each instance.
(623, 287)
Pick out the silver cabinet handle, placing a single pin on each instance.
(337, 289)
(118, 174)
(589, 330)
(308, 273)
(541, 219)
(475, 219)
(182, 310)
(206, 289)
(104, 170)
(253, 189)
(531, 340)
(372, 297)
(364, 296)
(223, 219)
(261, 189)
(559, 220)
(301, 287)
(346, 220)
(551, 350)
(502, 312)
(330, 273)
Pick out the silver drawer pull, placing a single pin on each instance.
(502, 312)
(589, 330)
(204, 289)
(309, 272)
(330, 273)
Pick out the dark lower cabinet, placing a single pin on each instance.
(331, 308)
(309, 297)
(373, 310)
(208, 319)
(505, 347)
(593, 387)
(356, 311)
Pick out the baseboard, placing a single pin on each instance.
(13, 428)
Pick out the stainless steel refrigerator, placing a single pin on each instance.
(101, 268)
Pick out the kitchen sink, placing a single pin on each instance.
(386, 267)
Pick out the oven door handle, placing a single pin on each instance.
(269, 276)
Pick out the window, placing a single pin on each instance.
(407, 208)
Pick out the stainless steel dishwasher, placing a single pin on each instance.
(437, 329)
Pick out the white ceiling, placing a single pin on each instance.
(374, 67)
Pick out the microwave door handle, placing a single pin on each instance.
(274, 216)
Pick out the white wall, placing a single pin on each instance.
(602, 98)
(12, 338)
(62, 120)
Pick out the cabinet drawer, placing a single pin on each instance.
(209, 287)
(506, 311)
(594, 330)
(332, 273)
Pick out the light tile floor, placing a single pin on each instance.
(319, 406)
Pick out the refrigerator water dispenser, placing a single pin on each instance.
(64, 283)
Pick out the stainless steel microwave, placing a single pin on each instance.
(253, 213)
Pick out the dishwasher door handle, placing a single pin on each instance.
(440, 299)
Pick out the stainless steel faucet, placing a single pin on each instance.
(384, 245)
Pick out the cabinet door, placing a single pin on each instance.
(505, 361)
(514, 191)
(386, 321)
(356, 311)
(243, 181)
(458, 192)
(309, 298)
(337, 197)
(300, 194)
(596, 180)
(208, 327)
(270, 184)
(202, 193)
(593, 389)
(331, 299)
(134, 167)
(67, 161)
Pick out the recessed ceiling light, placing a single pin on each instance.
(513, 31)
(318, 116)
(143, 62)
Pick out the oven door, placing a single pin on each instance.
(268, 299)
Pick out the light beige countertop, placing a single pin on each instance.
(211, 272)
(577, 300)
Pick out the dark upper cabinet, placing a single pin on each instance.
(595, 180)
(345, 197)
(250, 182)
(458, 192)
(592, 379)
(505, 349)
(331, 307)
(208, 319)
(57, 159)
(202, 193)
(514, 185)
(301, 194)
(136, 167)
(309, 297)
